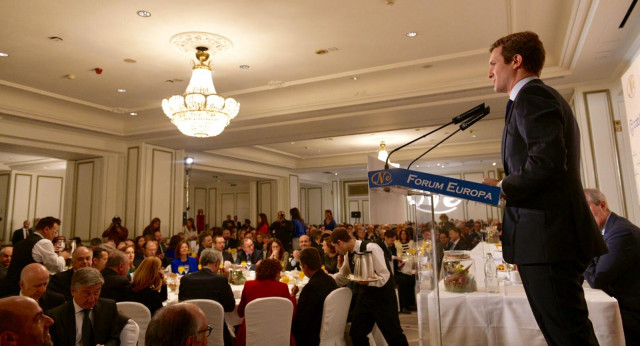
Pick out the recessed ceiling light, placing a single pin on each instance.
(493, 163)
(322, 51)
(354, 77)
(122, 90)
(412, 34)
(143, 13)
(130, 61)
(293, 142)
(133, 114)
(55, 38)
(4, 54)
(244, 67)
(474, 136)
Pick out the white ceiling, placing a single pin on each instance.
(404, 87)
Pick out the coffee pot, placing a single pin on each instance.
(363, 266)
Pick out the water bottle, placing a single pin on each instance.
(490, 275)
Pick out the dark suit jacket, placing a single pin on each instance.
(306, 325)
(617, 272)
(547, 218)
(18, 235)
(226, 256)
(61, 283)
(50, 300)
(205, 284)
(230, 243)
(152, 299)
(116, 286)
(255, 257)
(105, 324)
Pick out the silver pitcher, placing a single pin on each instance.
(363, 266)
(371, 273)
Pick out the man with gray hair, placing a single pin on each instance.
(61, 282)
(5, 260)
(116, 284)
(616, 272)
(207, 283)
(179, 324)
(87, 319)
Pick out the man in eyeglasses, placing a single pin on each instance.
(178, 324)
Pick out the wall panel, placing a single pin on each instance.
(199, 200)
(315, 214)
(131, 190)
(162, 188)
(48, 196)
(21, 203)
(211, 212)
(83, 206)
(5, 232)
(265, 198)
(294, 195)
(228, 205)
(243, 208)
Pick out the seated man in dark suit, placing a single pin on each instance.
(306, 325)
(229, 243)
(294, 262)
(34, 279)
(86, 319)
(616, 272)
(5, 260)
(116, 284)
(456, 242)
(219, 245)
(23, 322)
(249, 254)
(208, 284)
(181, 324)
(61, 282)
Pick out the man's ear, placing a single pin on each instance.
(516, 61)
(8, 338)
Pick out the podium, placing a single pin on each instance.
(403, 182)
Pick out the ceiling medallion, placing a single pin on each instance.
(200, 112)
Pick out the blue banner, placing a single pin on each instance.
(436, 184)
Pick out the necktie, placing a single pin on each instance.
(26, 233)
(506, 114)
(87, 329)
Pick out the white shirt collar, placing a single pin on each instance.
(519, 85)
(605, 223)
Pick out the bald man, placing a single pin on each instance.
(179, 324)
(5, 260)
(61, 282)
(33, 284)
(23, 323)
(294, 261)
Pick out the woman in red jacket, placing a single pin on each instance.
(263, 224)
(265, 285)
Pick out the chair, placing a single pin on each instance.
(268, 321)
(129, 334)
(215, 317)
(334, 317)
(376, 338)
(139, 313)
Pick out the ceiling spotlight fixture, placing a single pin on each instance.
(412, 34)
(130, 61)
(382, 152)
(493, 164)
(3, 54)
(200, 112)
(244, 67)
(133, 114)
(354, 77)
(322, 51)
(143, 13)
(122, 90)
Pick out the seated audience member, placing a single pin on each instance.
(294, 262)
(5, 260)
(265, 285)
(475, 235)
(116, 284)
(87, 319)
(100, 257)
(149, 249)
(249, 254)
(183, 259)
(130, 252)
(205, 242)
(61, 282)
(208, 284)
(149, 288)
(94, 243)
(219, 244)
(306, 325)
(276, 251)
(359, 233)
(172, 247)
(181, 324)
(455, 241)
(23, 322)
(616, 272)
(229, 243)
(329, 255)
(33, 283)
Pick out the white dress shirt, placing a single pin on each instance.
(379, 266)
(79, 319)
(44, 253)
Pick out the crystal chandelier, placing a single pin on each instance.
(200, 112)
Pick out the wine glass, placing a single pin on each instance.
(186, 269)
(249, 264)
(60, 245)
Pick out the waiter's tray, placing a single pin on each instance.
(352, 278)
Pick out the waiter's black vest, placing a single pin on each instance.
(22, 256)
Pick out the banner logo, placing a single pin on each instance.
(381, 178)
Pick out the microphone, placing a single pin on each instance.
(456, 120)
(467, 124)
(469, 114)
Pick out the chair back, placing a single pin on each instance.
(268, 321)
(129, 334)
(139, 313)
(215, 318)
(334, 317)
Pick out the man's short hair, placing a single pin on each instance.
(97, 252)
(390, 233)
(340, 234)
(210, 256)
(85, 277)
(595, 196)
(5, 248)
(525, 43)
(148, 242)
(311, 258)
(48, 221)
(170, 326)
(116, 258)
(95, 242)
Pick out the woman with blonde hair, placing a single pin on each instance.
(149, 288)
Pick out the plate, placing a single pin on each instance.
(351, 278)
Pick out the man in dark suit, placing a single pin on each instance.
(21, 233)
(87, 318)
(249, 254)
(5, 260)
(116, 284)
(34, 279)
(616, 273)
(229, 243)
(548, 230)
(306, 325)
(455, 241)
(61, 282)
(219, 244)
(208, 284)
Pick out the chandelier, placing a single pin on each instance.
(200, 112)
